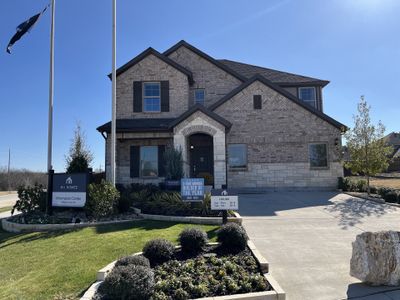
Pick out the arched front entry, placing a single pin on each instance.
(203, 131)
(201, 157)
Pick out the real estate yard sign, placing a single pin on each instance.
(224, 199)
(192, 189)
(69, 190)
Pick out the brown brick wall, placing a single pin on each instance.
(152, 68)
(214, 80)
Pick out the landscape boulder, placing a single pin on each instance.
(376, 258)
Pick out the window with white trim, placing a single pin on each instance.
(308, 95)
(151, 97)
(149, 161)
(318, 154)
(199, 96)
(237, 156)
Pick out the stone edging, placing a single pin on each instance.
(17, 227)
(194, 220)
(277, 293)
(377, 200)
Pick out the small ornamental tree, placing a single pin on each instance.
(368, 151)
(173, 163)
(79, 157)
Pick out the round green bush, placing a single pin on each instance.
(158, 251)
(193, 240)
(128, 282)
(373, 190)
(138, 260)
(232, 237)
(391, 197)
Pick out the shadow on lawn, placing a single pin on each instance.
(139, 224)
(29, 237)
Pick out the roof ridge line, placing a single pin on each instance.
(206, 56)
(270, 69)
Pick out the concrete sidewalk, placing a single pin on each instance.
(8, 200)
(307, 236)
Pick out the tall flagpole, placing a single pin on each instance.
(114, 92)
(51, 94)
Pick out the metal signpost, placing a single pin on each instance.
(69, 190)
(192, 189)
(224, 199)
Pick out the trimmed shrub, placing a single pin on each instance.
(30, 198)
(361, 185)
(102, 200)
(128, 282)
(373, 190)
(383, 191)
(124, 203)
(232, 237)
(193, 240)
(158, 251)
(391, 197)
(137, 260)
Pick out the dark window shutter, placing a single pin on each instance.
(164, 95)
(135, 161)
(257, 101)
(137, 96)
(161, 162)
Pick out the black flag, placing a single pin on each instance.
(23, 28)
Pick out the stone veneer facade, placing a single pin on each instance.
(277, 136)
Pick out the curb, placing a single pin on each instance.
(194, 220)
(376, 200)
(17, 227)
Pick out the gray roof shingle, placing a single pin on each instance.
(278, 77)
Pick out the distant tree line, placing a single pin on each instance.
(20, 177)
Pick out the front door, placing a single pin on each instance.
(202, 157)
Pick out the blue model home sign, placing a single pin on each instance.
(69, 190)
(192, 189)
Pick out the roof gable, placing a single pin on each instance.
(281, 91)
(151, 51)
(205, 111)
(207, 57)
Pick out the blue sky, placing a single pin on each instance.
(353, 43)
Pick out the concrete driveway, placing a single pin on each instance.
(306, 236)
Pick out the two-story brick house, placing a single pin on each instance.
(244, 125)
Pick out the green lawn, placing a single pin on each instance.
(42, 265)
(7, 208)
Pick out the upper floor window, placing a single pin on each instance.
(199, 96)
(318, 155)
(257, 102)
(151, 97)
(308, 95)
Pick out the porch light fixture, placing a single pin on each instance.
(191, 147)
